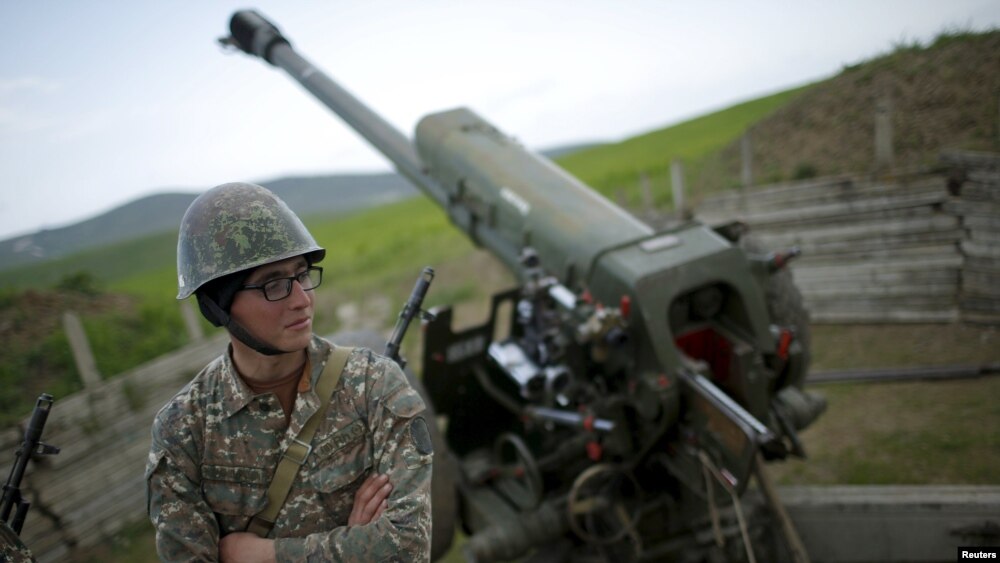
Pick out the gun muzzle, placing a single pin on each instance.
(255, 35)
(33, 433)
(411, 309)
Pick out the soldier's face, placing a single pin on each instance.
(285, 324)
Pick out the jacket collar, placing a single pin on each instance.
(236, 394)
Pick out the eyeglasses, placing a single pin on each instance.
(280, 288)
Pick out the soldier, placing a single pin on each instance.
(233, 473)
(12, 549)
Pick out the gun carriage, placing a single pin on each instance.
(616, 404)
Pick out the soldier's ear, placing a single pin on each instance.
(215, 297)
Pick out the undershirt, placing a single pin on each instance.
(286, 388)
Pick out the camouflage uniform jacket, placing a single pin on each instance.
(215, 446)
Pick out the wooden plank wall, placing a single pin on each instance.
(978, 204)
(921, 247)
(94, 486)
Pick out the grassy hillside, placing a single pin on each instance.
(942, 95)
(381, 250)
(150, 215)
(107, 265)
(135, 219)
(146, 266)
(614, 169)
(125, 293)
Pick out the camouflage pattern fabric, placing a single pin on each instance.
(215, 446)
(12, 549)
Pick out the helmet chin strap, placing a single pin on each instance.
(221, 318)
(244, 336)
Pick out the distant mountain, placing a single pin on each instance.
(558, 152)
(315, 195)
(137, 218)
(322, 195)
(162, 212)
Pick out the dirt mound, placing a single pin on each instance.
(32, 316)
(941, 96)
(35, 355)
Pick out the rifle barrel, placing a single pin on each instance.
(30, 445)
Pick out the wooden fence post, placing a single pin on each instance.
(746, 173)
(194, 330)
(82, 353)
(884, 156)
(677, 186)
(647, 193)
(621, 197)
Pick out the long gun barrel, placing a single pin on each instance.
(520, 200)
(518, 205)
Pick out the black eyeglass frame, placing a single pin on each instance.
(303, 275)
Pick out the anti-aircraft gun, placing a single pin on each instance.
(640, 376)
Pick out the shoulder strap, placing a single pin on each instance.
(300, 448)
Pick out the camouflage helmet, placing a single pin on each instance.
(235, 227)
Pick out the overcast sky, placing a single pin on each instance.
(103, 102)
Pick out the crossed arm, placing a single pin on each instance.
(369, 503)
(378, 525)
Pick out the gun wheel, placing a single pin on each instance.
(784, 300)
(604, 505)
(519, 479)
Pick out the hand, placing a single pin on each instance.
(244, 547)
(370, 500)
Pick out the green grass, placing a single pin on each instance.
(375, 249)
(371, 246)
(108, 264)
(939, 432)
(883, 346)
(123, 340)
(616, 167)
(120, 337)
(27, 372)
(945, 432)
